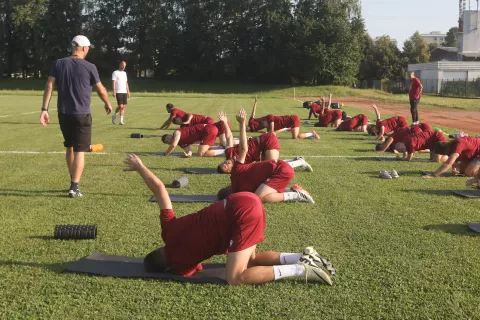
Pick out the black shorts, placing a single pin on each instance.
(121, 98)
(76, 130)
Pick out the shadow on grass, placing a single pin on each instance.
(55, 267)
(151, 129)
(41, 237)
(364, 150)
(58, 193)
(456, 229)
(413, 173)
(432, 192)
(11, 122)
(352, 138)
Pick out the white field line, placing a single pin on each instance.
(117, 153)
(18, 114)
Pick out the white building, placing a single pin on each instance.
(469, 34)
(433, 74)
(434, 37)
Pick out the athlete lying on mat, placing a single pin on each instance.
(400, 134)
(264, 147)
(420, 141)
(463, 156)
(185, 119)
(267, 179)
(234, 227)
(276, 124)
(254, 123)
(357, 123)
(314, 108)
(328, 116)
(186, 136)
(383, 127)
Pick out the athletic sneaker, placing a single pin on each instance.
(121, 123)
(304, 195)
(114, 118)
(307, 166)
(315, 134)
(385, 175)
(74, 194)
(394, 174)
(314, 273)
(312, 256)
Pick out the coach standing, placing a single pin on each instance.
(414, 94)
(74, 78)
(121, 91)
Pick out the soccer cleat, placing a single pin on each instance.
(307, 166)
(314, 273)
(310, 255)
(121, 123)
(114, 118)
(394, 174)
(304, 195)
(74, 193)
(96, 147)
(315, 134)
(385, 175)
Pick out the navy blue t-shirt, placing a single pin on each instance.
(74, 79)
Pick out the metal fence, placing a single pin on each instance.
(440, 87)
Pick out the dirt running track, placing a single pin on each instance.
(459, 119)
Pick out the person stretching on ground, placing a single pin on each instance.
(383, 127)
(400, 134)
(463, 157)
(421, 141)
(355, 124)
(314, 107)
(186, 118)
(234, 227)
(264, 147)
(254, 124)
(276, 124)
(205, 134)
(329, 117)
(267, 179)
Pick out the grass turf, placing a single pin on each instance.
(401, 246)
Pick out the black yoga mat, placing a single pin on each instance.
(189, 198)
(128, 267)
(444, 175)
(201, 170)
(395, 159)
(468, 193)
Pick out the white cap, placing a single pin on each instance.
(81, 41)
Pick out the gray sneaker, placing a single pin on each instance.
(314, 273)
(394, 174)
(114, 118)
(385, 175)
(74, 194)
(310, 254)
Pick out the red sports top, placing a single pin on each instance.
(423, 140)
(248, 177)
(414, 92)
(190, 134)
(467, 147)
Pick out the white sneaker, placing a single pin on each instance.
(315, 134)
(385, 175)
(394, 174)
(114, 118)
(314, 273)
(304, 195)
(121, 123)
(74, 194)
(311, 255)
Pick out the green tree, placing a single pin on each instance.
(451, 39)
(383, 60)
(416, 50)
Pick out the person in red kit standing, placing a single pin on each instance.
(234, 227)
(414, 94)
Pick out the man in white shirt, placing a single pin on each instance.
(121, 91)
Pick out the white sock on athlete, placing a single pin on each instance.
(218, 152)
(291, 270)
(289, 257)
(308, 135)
(291, 196)
(283, 129)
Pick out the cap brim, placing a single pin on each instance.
(92, 46)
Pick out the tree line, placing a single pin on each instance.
(272, 41)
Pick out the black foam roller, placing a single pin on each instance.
(180, 182)
(71, 231)
(136, 135)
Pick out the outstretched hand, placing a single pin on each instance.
(474, 183)
(241, 116)
(134, 163)
(222, 116)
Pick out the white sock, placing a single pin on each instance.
(218, 152)
(290, 270)
(296, 163)
(121, 118)
(308, 135)
(291, 196)
(283, 130)
(289, 258)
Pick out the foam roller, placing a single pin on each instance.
(136, 135)
(180, 182)
(71, 231)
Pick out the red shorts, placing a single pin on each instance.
(208, 120)
(269, 141)
(281, 176)
(221, 127)
(295, 122)
(247, 216)
(337, 115)
(209, 135)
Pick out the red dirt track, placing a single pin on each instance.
(464, 120)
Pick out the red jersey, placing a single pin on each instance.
(280, 122)
(225, 226)
(221, 127)
(191, 134)
(352, 123)
(467, 147)
(392, 124)
(254, 124)
(248, 177)
(414, 92)
(423, 140)
(400, 134)
(179, 113)
(199, 119)
(316, 107)
(328, 117)
(256, 148)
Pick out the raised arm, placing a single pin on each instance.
(254, 108)
(189, 119)
(222, 116)
(243, 147)
(329, 100)
(173, 145)
(103, 94)
(377, 113)
(153, 183)
(47, 95)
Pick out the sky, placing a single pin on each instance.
(400, 19)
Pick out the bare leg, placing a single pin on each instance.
(265, 258)
(122, 110)
(223, 140)
(472, 169)
(77, 166)
(336, 123)
(272, 154)
(268, 195)
(69, 159)
(203, 151)
(238, 273)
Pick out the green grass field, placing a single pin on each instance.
(400, 246)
